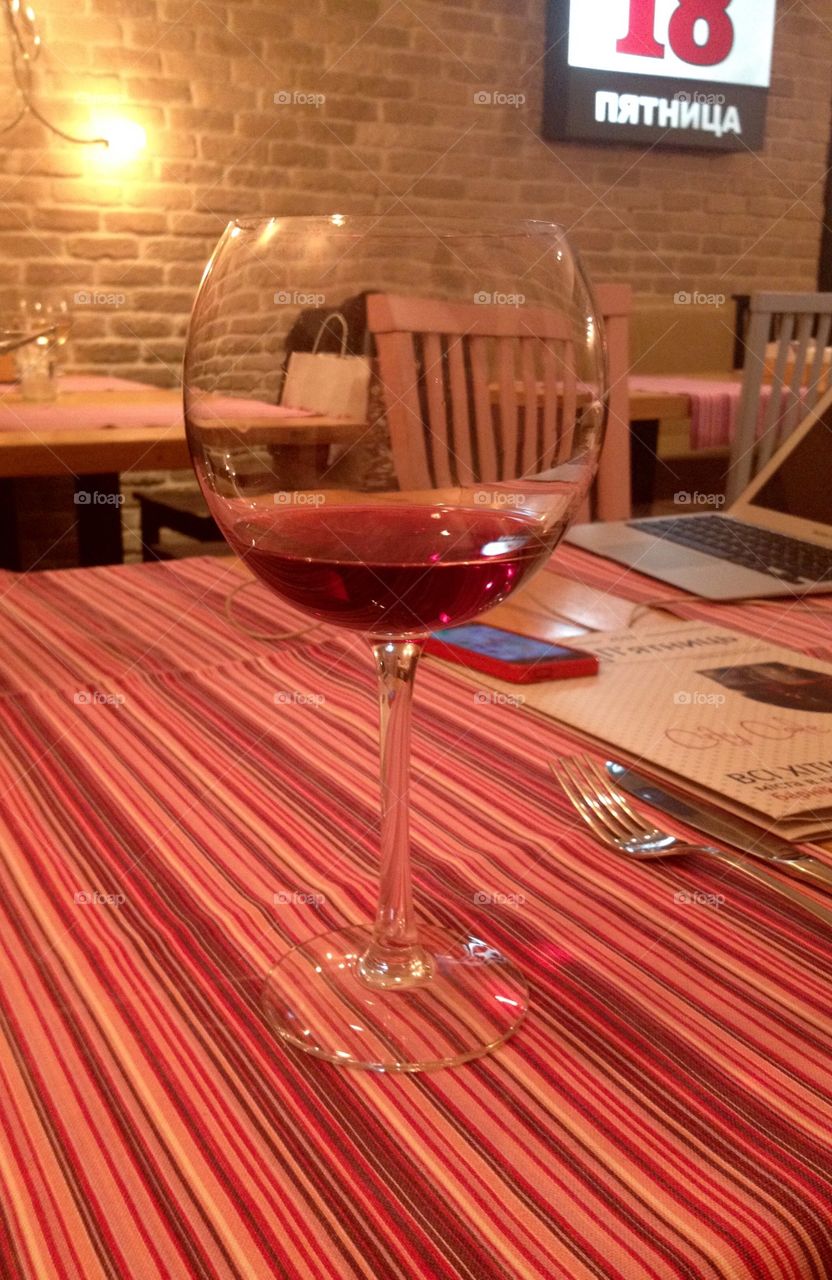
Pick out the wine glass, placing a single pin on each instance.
(42, 322)
(393, 423)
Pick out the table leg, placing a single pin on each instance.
(37, 523)
(10, 549)
(98, 509)
(644, 445)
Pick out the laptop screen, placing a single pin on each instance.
(802, 484)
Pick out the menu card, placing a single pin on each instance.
(741, 722)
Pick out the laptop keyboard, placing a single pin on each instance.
(788, 559)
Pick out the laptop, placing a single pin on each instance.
(775, 540)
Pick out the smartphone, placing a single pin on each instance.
(508, 655)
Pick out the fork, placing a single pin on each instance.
(610, 816)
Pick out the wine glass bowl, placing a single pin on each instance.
(393, 424)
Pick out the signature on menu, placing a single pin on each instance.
(775, 729)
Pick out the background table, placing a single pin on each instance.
(171, 812)
(96, 429)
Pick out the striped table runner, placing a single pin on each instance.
(175, 816)
(714, 404)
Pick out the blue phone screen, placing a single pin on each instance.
(503, 645)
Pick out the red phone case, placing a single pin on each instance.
(577, 663)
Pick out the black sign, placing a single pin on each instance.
(679, 73)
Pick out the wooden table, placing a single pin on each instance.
(153, 446)
(139, 428)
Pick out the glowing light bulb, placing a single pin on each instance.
(125, 139)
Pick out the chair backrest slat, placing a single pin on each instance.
(434, 378)
(530, 461)
(487, 441)
(461, 412)
(569, 399)
(774, 406)
(397, 352)
(509, 408)
(796, 387)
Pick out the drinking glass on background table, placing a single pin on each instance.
(469, 366)
(44, 318)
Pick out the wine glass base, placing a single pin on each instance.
(472, 999)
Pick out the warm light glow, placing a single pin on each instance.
(125, 139)
(338, 219)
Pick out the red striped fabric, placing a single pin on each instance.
(714, 404)
(664, 1112)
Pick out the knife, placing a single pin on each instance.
(726, 827)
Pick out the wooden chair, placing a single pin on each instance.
(796, 367)
(489, 364)
(181, 509)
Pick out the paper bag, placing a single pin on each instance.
(335, 386)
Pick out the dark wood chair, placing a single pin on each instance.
(181, 509)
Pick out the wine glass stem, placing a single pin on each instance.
(395, 959)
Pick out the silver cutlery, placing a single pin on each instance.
(607, 812)
(724, 826)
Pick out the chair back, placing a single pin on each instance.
(461, 382)
(782, 379)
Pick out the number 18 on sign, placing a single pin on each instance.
(678, 72)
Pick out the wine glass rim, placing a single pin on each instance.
(395, 225)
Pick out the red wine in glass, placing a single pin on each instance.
(391, 570)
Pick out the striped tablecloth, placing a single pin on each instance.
(664, 1111)
(714, 404)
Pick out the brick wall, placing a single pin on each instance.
(398, 123)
